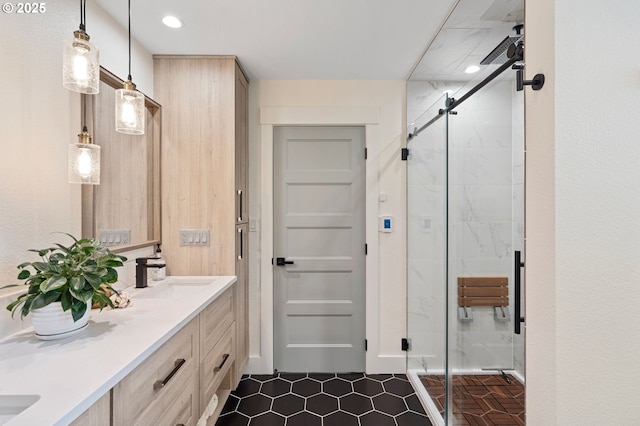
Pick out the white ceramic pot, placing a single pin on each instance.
(52, 323)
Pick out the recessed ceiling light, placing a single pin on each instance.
(472, 69)
(171, 21)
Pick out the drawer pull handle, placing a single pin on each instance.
(224, 360)
(160, 384)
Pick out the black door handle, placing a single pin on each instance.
(518, 265)
(280, 261)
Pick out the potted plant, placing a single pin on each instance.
(63, 285)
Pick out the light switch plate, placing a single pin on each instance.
(194, 237)
(114, 237)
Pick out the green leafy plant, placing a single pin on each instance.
(74, 275)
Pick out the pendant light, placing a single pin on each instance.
(84, 156)
(130, 110)
(80, 64)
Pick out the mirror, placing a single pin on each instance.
(123, 212)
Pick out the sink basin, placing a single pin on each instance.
(12, 405)
(189, 281)
(165, 291)
(173, 287)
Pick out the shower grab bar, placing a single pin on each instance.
(518, 265)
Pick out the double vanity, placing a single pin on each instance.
(162, 361)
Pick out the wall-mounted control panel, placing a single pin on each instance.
(195, 237)
(385, 224)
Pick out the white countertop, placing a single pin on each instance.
(71, 374)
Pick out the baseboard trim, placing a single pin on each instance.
(387, 364)
(257, 365)
(384, 364)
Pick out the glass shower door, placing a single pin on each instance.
(426, 248)
(485, 363)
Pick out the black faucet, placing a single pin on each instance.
(141, 270)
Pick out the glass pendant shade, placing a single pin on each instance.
(81, 66)
(84, 161)
(130, 110)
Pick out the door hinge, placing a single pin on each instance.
(366, 345)
(365, 153)
(366, 249)
(405, 154)
(405, 344)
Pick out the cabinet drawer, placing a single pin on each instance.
(215, 320)
(159, 380)
(216, 365)
(178, 409)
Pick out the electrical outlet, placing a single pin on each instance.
(194, 237)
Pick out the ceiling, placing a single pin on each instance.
(293, 39)
(473, 29)
(470, 33)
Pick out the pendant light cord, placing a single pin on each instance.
(129, 40)
(83, 14)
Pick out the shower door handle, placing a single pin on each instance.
(518, 265)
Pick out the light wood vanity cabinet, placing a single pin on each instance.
(99, 414)
(218, 349)
(242, 302)
(163, 390)
(205, 160)
(174, 385)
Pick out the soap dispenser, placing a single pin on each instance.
(159, 272)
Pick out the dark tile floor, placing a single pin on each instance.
(324, 400)
(480, 400)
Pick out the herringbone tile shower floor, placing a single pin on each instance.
(480, 400)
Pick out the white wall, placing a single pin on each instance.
(39, 119)
(583, 227)
(388, 98)
(112, 40)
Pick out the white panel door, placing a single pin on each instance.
(319, 231)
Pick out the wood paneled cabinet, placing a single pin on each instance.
(163, 390)
(99, 414)
(176, 383)
(205, 172)
(242, 301)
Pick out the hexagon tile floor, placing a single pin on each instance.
(323, 400)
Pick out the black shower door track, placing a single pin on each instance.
(453, 103)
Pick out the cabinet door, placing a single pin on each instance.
(242, 302)
(242, 146)
(198, 151)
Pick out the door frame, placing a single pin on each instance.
(369, 117)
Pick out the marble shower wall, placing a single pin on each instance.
(485, 182)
